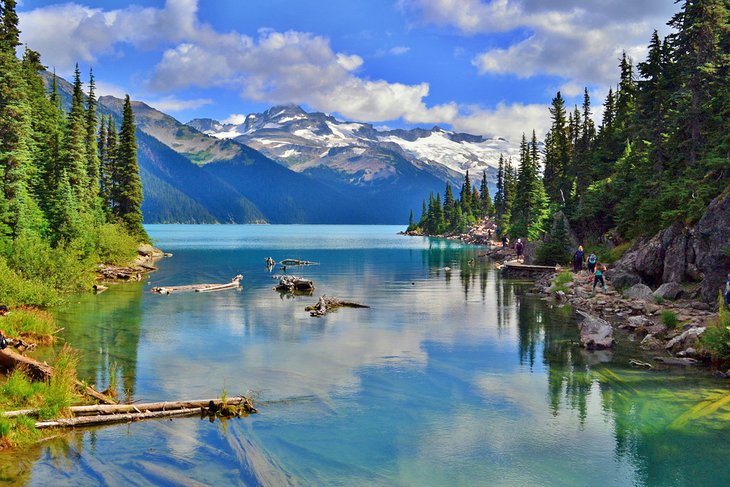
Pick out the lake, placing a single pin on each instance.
(451, 377)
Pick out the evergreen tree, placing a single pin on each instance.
(128, 187)
(92, 152)
(557, 154)
(465, 195)
(499, 195)
(449, 204)
(486, 201)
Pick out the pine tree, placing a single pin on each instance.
(449, 204)
(557, 154)
(465, 195)
(486, 201)
(73, 152)
(92, 150)
(128, 187)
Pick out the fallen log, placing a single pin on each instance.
(329, 303)
(200, 288)
(109, 409)
(114, 418)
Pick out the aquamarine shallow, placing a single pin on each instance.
(452, 377)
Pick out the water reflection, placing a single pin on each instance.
(453, 376)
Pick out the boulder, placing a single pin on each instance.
(681, 253)
(640, 292)
(687, 339)
(669, 290)
(622, 279)
(650, 342)
(637, 321)
(596, 333)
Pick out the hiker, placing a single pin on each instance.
(519, 248)
(3, 310)
(727, 290)
(504, 241)
(578, 259)
(600, 269)
(489, 235)
(3, 341)
(592, 260)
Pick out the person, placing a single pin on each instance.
(504, 240)
(578, 259)
(3, 310)
(489, 235)
(727, 290)
(519, 248)
(600, 269)
(592, 260)
(3, 341)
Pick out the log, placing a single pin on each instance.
(293, 283)
(106, 409)
(114, 418)
(328, 303)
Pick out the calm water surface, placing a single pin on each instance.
(452, 377)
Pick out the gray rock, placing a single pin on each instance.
(701, 306)
(639, 292)
(686, 339)
(622, 279)
(656, 329)
(669, 290)
(650, 342)
(596, 333)
(637, 321)
(676, 361)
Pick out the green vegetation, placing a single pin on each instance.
(659, 156)
(716, 338)
(50, 398)
(455, 215)
(561, 280)
(669, 318)
(36, 324)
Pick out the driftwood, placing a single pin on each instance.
(293, 283)
(124, 413)
(296, 262)
(42, 371)
(199, 288)
(115, 409)
(328, 303)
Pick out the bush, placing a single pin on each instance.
(60, 391)
(669, 318)
(716, 338)
(616, 253)
(30, 322)
(18, 290)
(561, 280)
(115, 245)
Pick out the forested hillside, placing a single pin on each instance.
(70, 192)
(659, 156)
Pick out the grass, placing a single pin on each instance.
(716, 338)
(31, 323)
(561, 280)
(51, 398)
(616, 253)
(669, 318)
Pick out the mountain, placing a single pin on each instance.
(357, 153)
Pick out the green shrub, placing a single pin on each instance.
(716, 338)
(35, 322)
(115, 245)
(561, 280)
(669, 318)
(658, 300)
(60, 391)
(16, 289)
(616, 253)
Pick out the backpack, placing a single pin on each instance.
(727, 286)
(592, 259)
(3, 342)
(519, 247)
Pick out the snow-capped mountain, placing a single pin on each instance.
(358, 152)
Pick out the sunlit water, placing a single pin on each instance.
(451, 377)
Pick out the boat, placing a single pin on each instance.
(199, 288)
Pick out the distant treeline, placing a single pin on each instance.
(659, 156)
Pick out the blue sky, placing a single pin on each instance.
(477, 66)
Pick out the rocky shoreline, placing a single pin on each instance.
(147, 256)
(641, 314)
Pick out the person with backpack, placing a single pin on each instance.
(578, 259)
(599, 277)
(592, 260)
(519, 248)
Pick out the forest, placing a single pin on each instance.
(70, 192)
(659, 156)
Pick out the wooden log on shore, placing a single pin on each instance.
(329, 303)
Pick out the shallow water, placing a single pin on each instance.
(450, 378)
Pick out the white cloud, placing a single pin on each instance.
(105, 88)
(174, 104)
(235, 119)
(399, 50)
(578, 41)
(506, 120)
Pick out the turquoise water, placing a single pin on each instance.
(451, 377)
